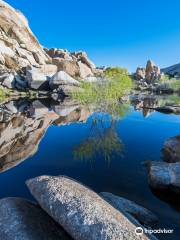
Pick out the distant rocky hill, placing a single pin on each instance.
(24, 63)
(173, 70)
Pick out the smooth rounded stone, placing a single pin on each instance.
(171, 149)
(141, 214)
(62, 78)
(163, 175)
(80, 211)
(24, 220)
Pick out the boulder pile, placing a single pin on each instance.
(150, 74)
(25, 64)
(67, 209)
(165, 175)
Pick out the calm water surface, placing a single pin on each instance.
(106, 155)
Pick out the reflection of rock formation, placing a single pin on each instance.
(145, 103)
(23, 124)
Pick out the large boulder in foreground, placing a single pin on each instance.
(171, 149)
(24, 220)
(18, 45)
(80, 211)
(163, 176)
(141, 214)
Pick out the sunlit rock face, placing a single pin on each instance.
(23, 125)
(75, 64)
(150, 74)
(18, 45)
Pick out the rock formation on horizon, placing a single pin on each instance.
(150, 74)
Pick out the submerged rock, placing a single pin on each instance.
(24, 220)
(163, 175)
(141, 214)
(80, 211)
(171, 149)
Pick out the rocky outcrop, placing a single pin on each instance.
(164, 176)
(153, 72)
(150, 74)
(171, 149)
(38, 77)
(62, 78)
(76, 64)
(24, 64)
(141, 214)
(80, 211)
(18, 45)
(140, 73)
(24, 220)
(173, 70)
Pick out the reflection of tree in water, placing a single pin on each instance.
(103, 137)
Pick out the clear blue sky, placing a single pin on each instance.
(116, 32)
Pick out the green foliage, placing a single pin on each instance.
(165, 78)
(174, 99)
(4, 94)
(173, 83)
(169, 100)
(106, 94)
(112, 73)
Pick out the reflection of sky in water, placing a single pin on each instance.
(124, 175)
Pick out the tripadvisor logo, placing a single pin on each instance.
(139, 231)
